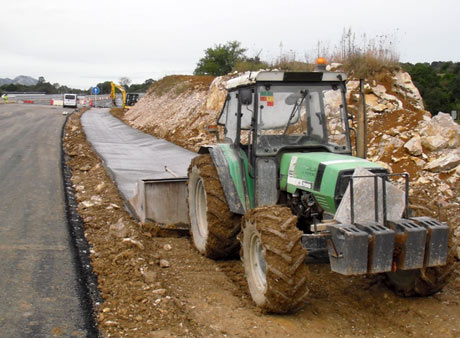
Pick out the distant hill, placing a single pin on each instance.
(21, 79)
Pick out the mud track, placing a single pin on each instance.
(156, 286)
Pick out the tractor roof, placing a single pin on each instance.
(249, 78)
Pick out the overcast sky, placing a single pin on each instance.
(81, 43)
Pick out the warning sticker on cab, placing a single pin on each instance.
(267, 96)
(299, 182)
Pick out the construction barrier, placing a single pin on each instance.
(57, 102)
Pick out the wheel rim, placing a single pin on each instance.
(257, 262)
(200, 208)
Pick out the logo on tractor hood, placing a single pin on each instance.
(299, 183)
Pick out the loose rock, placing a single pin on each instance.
(118, 229)
(149, 276)
(134, 242)
(414, 146)
(164, 263)
(444, 163)
(85, 167)
(100, 187)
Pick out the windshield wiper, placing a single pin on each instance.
(296, 107)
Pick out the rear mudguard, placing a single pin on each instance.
(233, 175)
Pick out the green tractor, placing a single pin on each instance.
(271, 188)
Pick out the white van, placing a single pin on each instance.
(70, 100)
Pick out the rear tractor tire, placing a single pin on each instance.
(213, 227)
(274, 259)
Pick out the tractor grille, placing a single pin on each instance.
(322, 202)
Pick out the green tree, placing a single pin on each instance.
(140, 88)
(436, 100)
(125, 81)
(12, 87)
(45, 87)
(427, 81)
(65, 89)
(105, 87)
(424, 77)
(221, 59)
(438, 83)
(454, 86)
(148, 82)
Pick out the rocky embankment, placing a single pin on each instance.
(401, 135)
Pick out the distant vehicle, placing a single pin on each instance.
(131, 99)
(70, 100)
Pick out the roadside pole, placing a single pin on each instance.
(95, 91)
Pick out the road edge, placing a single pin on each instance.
(88, 290)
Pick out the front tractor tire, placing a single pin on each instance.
(274, 259)
(213, 227)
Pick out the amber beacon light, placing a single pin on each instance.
(321, 61)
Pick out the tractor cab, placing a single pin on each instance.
(272, 112)
(269, 115)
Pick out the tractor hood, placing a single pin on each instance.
(320, 173)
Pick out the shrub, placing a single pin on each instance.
(221, 59)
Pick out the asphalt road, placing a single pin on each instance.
(39, 290)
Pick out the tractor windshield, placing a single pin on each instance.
(301, 115)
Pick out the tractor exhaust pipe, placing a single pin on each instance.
(361, 136)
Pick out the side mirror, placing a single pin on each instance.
(245, 96)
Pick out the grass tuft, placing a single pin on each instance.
(360, 57)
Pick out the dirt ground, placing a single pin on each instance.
(159, 286)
